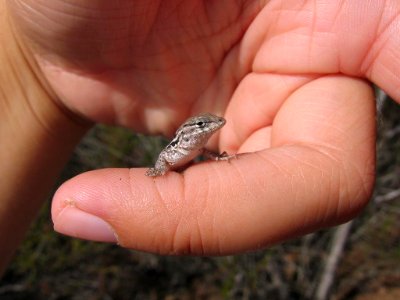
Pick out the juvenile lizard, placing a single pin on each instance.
(188, 143)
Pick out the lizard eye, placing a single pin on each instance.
(200, 124)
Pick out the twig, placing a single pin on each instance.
(328, 275)
(387, 197)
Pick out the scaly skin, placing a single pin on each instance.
(189, 142)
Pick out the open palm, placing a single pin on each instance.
(287, 75)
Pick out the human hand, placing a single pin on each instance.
(288, 77)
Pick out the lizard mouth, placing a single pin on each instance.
(221, 121)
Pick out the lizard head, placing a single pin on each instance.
(198, 129)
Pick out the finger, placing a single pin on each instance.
(319, 172)
(329, 38)
(253, 108)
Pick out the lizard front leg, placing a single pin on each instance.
(161, 167)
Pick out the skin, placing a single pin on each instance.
(292, 79)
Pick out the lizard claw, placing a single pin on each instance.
(215, 156)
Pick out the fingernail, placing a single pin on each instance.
(77, 223)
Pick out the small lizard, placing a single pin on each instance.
(188, 143)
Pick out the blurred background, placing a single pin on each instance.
(358, 260)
